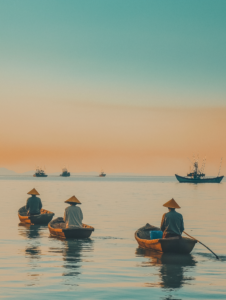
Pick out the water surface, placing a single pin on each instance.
(110, 265)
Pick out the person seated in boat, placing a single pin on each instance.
(172, 223)
(73, 214)
(34, 203)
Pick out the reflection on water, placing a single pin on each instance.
(74, 255)
(31, 232)
(32, 249)
(172, 267)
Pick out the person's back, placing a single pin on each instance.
(73, 216)
(33, 205)
(172, 222)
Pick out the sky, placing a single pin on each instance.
(125, 86)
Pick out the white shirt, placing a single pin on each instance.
(73, 216)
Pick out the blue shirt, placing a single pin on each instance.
(172, 222)
(33, 205)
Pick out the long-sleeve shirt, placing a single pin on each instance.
(73, 216)
(172, 222)
(34, 205)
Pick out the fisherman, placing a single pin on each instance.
(73, 214)
(172, 223)
(34, 204)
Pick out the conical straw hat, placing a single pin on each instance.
(73, 199)
(171, 204)
(33, 192)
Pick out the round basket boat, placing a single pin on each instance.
(180, 245)
(43, 218)
(57, 228)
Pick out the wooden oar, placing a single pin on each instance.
(201, 244)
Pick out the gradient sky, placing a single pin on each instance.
(127, 86)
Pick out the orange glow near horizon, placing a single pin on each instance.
(118, 139)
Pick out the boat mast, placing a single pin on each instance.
(203, 165)
(196, 169)
(220, 167)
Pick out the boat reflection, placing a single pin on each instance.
(74, 254)
(32, 232)
(172, 267)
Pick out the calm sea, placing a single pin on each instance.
(110, 265)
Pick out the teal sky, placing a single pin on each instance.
(148, 53)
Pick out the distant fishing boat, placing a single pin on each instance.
(102, 174)
(39, 173)
(197, 176)
(65, 173)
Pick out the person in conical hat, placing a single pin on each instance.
(73, 214)
(172, 223)
(34, 203)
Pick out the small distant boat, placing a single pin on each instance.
(102, 174)
(199, 180)
(57, 228)
(181, 245)
(65, 173)
(197, 176)
(39, 173)
(43, 218)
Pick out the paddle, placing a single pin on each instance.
(201, 244)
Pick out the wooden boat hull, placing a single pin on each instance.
(42, 219)
(36, 175)
(70, 233)
(169, 245)
(199, 180)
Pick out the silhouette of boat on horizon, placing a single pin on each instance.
(197, 176)
(40, 173)
(102, 174)
(65, 173)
